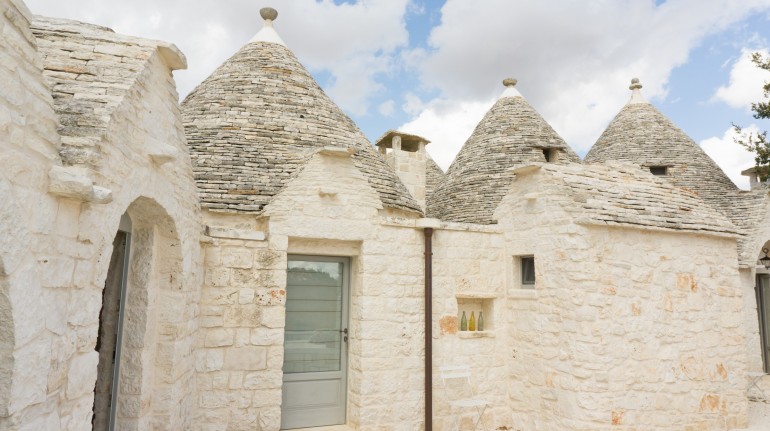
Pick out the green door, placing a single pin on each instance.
(315, 342)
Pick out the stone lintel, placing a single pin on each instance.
(336, 151)
(248, 235)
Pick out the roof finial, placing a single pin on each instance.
(268, 33)
(636, 95)
(510, 88)
(268, 14)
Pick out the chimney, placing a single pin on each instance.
(405, 153)
(754, 180)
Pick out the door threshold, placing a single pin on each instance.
(327, 428)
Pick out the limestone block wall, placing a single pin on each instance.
(625, 328)
(469, 274)
(28, 144)
(759, 238)
(55, 252)
(751, 320)
(240, 350)
(410, 168)
(328, 209)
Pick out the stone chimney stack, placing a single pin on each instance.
(754, 180)
(405, 153)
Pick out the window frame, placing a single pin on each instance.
(526, 269)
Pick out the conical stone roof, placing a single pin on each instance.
(511, 133)
(642, 135)
(256, 120)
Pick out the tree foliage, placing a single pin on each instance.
(758, 143)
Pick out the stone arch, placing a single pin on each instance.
(147, 349)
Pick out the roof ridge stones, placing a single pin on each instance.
(90, 69)
(511, 133)
(620, 194)
(251, 124)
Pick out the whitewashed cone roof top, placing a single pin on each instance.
(511, 133)
(642, 135)
(253, 124)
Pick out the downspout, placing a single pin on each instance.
(428, 231)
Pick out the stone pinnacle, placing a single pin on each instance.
(509, 82)
(268, 13)
(635, 85)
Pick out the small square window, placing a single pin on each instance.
(527, 264)
(659, 170)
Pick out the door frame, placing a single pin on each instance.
(763, 314)
(344, 322)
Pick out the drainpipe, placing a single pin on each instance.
(428, 225)
(428, 231)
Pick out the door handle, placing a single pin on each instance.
(345, 338)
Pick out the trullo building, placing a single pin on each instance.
(247, 260)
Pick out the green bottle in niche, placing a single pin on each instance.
(481, 321)
(463, 323)
(472, 323)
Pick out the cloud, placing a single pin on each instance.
(447, 125)
(573, 66)
(731, 157)
(354, 43)
(746, 82)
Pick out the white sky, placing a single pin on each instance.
(573, 59)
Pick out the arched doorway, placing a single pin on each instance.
(136, 336)
(110, 335)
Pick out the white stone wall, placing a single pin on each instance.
(55, 252)
(28, 144)
(469, 274)
(626, 327)
(329, 209)
(410, 167)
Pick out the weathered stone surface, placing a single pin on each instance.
(640, 134)
(245, 358)
(511, 133)
(624, 195)
(81, 375)
(243, 154)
